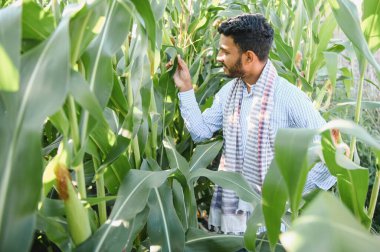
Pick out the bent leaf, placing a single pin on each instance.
(200, 241)
(204, 154)
(132, 199)
(176, 161)
(326, 225)
(229, 180)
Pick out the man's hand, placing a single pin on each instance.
(182, 76)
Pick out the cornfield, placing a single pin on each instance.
(94, 155)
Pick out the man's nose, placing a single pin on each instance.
(219, 58)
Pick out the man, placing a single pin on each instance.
(250, 109)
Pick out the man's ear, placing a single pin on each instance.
(250, 57)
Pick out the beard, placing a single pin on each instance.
(236, 71)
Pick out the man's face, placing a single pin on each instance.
(230, 57)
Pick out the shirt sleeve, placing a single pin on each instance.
(304, 115)
(201, 125)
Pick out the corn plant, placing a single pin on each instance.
(95, 156)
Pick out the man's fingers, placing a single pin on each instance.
(181, 63)
(169, 64)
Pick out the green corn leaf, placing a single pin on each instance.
(176, 161)
(284, 51)
(114, 174)
(127, 132)
(139, 66)
(78, 87)
(164, 228)
(137, 225)
(229, 180)
(325, 34)
(61, 122)
(347, 17)
(254, 222)
(186, 196)
(370, 23)
(37, 24)
(179, 204)
(144, 9)
(204, 154)
(352, 129)
(310, 6)
(97, 57)
(158, 8)
(348, 81)
(84, 25)
(50, 220)
(200, 241)
(326, 225)
(274, 201)
(132, 199)
(115, 165)
(129, 232)
(102, 136)
(167, 90)
(96, 200)
(352, 184)
(118, 101)
(10, 45)
(55, 229)
(364, 104)
(292, 162)
(142, 135)
(208, 88)
(44, 73)
(332, 66)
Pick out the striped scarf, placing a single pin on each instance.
(226, 208)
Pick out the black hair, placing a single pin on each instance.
(249, 32)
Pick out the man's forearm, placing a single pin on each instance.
(199, 129)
